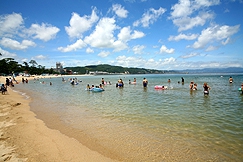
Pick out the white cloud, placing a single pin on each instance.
(215, 34)
(6, 54)
(79, 25)
(182, 8)
(103, 36)
(145, 63)
(138, 49)
(189, 55)
(183, 36)
(43, 32)
(164, 49)
(119, 10)
(89, 50)
(149, 17)
(125, 34)
(10, 24)
(185, 23)
(104, 53)
(15, 45)
(211, 48)
(73, 47)
(40, 57)
(182, 11)
(185, 8)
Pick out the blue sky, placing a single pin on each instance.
(153, 34)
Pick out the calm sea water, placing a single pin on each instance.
(144, 124)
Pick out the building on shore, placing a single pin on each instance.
(59, 68)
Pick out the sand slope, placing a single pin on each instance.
(26, 138)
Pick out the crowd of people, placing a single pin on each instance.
(120, 84)
(192, 85)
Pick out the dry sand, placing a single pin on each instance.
(23, 137)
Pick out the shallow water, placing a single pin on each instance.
(144, 124)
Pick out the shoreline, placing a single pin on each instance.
(26, 138)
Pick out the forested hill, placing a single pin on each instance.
(110, 69)
(114, 70)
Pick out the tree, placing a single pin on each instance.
(33, 62)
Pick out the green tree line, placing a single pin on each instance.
(114, 69)
(9, 66)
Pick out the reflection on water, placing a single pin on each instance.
(144, 124)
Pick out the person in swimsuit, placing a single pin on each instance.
(206, 89)
(145, 82)
(242, 88)
(191, 85)
(230, 80)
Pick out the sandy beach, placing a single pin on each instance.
(23, 137)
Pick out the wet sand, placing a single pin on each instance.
(23, 137)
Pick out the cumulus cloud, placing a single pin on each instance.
(185, 23)
(73, 47)
(138, 49)
(15, 45)
(103, 36)
(150, 17)
(145, 63)
(119, 10)
(104, 53)
(185, 8)
(89, 50)
(182, 11)
(215, 34)
(125, 34)
(43, 32)
(183, 36)
(164, 49)
(79, 25)
(6, 54)
(39, 57)
(10, 24)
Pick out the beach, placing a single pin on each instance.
(63, 122)
(23, 137)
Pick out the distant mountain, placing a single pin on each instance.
(213, 70)
(110, 69)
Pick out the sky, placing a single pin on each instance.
(152, 34)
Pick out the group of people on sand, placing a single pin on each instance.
(9, 82)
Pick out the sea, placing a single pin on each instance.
(134, 123)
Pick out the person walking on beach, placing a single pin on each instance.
(206, 89)
(7, 82)
(3, 89)
(145, 82)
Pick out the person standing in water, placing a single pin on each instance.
(206, 89)
(102, 81)
(242, 88)
(145, 82)
(230, 80)
(191, 85)
(182, 80)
